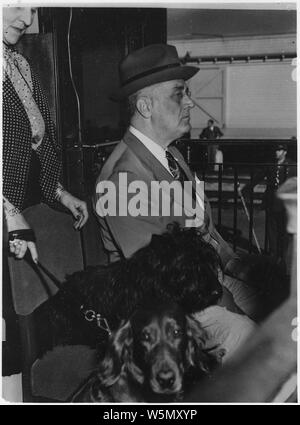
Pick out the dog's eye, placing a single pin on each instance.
(145, 337)
(176, 332)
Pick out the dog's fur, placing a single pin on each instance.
(152, 358)
(176, 266)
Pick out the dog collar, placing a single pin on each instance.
(91, 315)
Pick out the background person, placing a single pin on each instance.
(31, 155)
(276, 216)
(32, 168)
(212, 132)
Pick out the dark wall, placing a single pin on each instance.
(108, 34)
(101, 37)
(98, 39)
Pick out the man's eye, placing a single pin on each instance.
(179, 95)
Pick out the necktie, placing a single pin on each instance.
(277, 177)
(176, 171)
(179, 174)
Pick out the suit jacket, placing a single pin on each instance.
(209, 134)
(125, 234)
(276, 175)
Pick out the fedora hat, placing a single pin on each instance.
(281, 146)
(149, 65)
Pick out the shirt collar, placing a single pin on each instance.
(153, 147)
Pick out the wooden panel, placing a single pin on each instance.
(207, 92)
(231, 46)
(261, 95)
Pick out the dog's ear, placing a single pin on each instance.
(122, 341)
(117, 354)
(136, 372)
(195, 356)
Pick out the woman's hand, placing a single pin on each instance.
(18, 245)
(77, 207)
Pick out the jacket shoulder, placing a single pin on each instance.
(122, 159)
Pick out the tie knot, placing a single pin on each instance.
(173, 166)
(169, 156)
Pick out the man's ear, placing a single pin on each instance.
(144, 106)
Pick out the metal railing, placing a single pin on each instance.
(243, 160)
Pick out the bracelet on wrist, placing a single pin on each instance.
(11, 212)
(59, 191)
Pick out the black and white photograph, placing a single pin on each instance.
(149, 205)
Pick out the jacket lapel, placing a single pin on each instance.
(156, 170)
(148, 160)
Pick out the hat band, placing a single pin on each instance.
(152, 71)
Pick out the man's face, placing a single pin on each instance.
(15, 22)
(171, 104)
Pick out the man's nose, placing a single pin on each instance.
(27, 16)
(189, 101)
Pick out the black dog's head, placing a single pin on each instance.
(179, 266)
(157, 348)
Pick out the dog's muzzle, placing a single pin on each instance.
(166, 377)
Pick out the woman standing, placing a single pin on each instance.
(31, 155)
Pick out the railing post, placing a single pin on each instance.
(188, 154)
(251, 211)
(235, 207)
(220, 176)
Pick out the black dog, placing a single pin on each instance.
(152, 358)
(176, 266)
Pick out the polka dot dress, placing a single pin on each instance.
(27, 125)
(18, 71)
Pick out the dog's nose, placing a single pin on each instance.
(166, 379)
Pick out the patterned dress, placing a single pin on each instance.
(31, 154)
(31, 170)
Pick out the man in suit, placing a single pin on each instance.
(211, 132)
(154, 83)
(275, 176)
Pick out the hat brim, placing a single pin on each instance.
(179, 73)
(281, 148)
